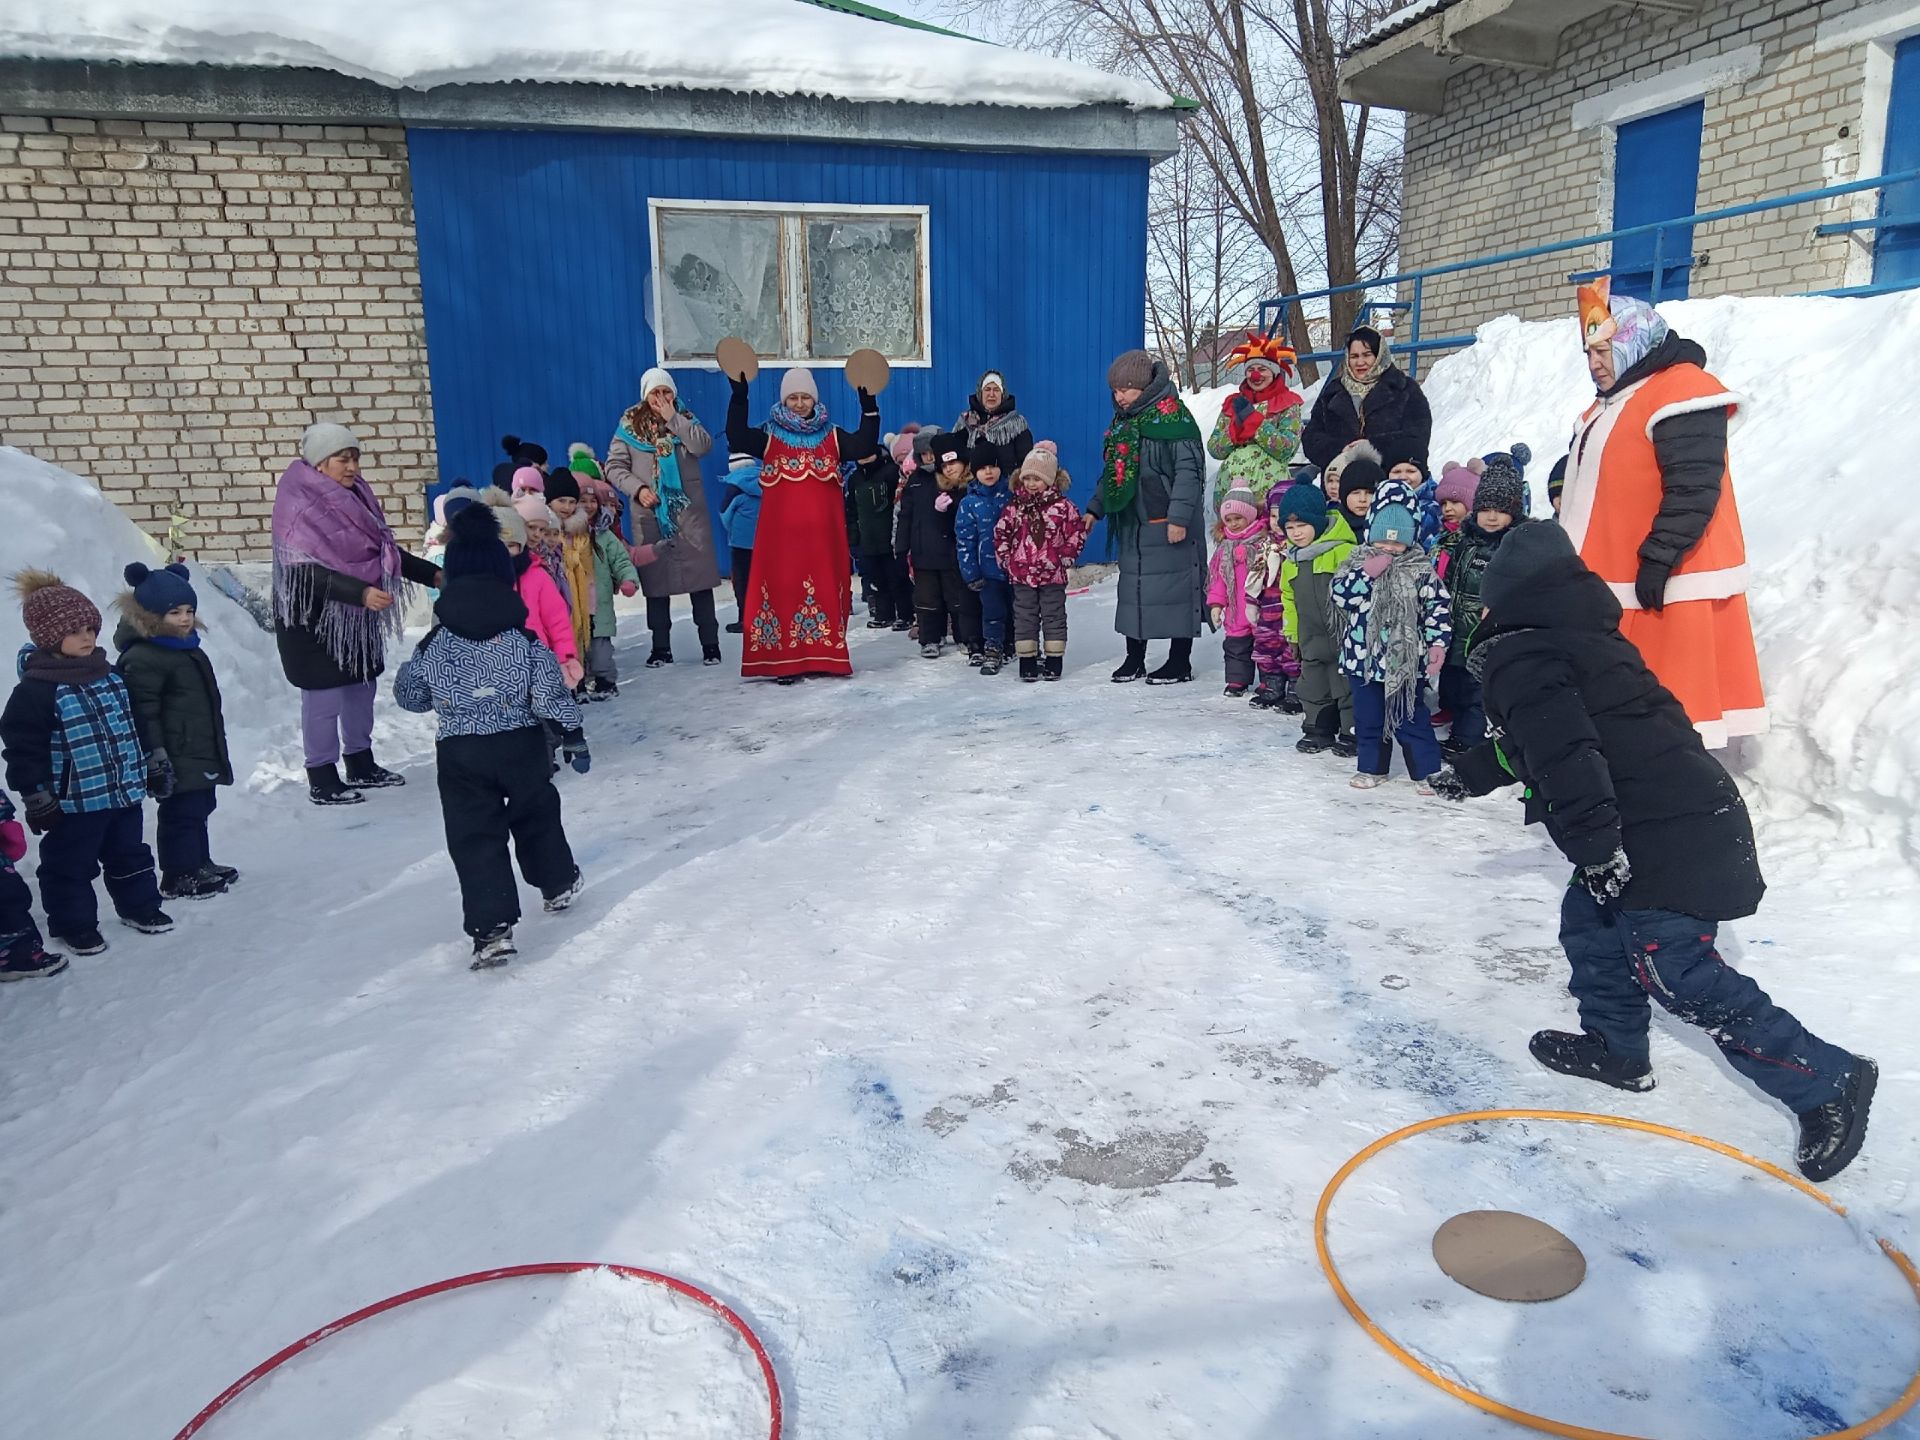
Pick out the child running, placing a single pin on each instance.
(490, 683)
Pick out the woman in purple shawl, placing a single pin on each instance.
(338, 580)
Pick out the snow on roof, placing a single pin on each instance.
(1399, 20)
(770, 47)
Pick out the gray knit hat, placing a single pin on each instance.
(326, 439)
(1132, 370)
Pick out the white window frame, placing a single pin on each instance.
(793, 276)
(1880, 27)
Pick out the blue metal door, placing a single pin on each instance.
(1896, 250)
(1656, 174)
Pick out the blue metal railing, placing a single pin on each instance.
(1274, 313)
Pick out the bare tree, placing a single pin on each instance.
(1313, 180)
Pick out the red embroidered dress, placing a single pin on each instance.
(800, 588)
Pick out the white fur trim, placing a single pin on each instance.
(1724, 400)
(1589, 446)
(1715, 734)
(1699, 585)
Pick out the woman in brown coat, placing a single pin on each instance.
(654, 457)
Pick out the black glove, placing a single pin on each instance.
(43, 812)
(739, 384)
(159, 775)
(1650, 585)
(1447, 784)
(573, 749)
(1607, 881)
(867, 407)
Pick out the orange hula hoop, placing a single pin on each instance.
(1873, 1426)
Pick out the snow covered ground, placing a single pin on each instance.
(986, 1045)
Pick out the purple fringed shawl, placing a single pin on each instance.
(317, 521)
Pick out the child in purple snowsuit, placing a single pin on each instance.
(1274, 656)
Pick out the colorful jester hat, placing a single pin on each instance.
(1273, 354)
(1630, 325)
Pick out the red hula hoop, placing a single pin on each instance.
(482, 1277)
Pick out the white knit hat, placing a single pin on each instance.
(654, 379)
(326, 439)
(798, 381)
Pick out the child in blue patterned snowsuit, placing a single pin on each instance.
(1397, 623)
(985, 501)
(491, 683)
(75, 756)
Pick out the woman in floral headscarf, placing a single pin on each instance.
(654, 457)
(1259, 426)
(1649, 505)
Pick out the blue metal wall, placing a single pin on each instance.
(535, 265)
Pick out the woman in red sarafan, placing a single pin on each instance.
(798, 592)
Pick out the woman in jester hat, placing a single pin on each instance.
(1259, 426)
(800, 587)
(1153, 482)
(654, 457)
(1649, 506)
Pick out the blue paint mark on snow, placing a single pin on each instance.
(1640, 1258)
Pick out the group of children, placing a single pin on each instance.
(1352, 601)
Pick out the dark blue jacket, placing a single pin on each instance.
(980, 511)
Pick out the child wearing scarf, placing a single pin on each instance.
(576, 554)
(1235, 577)
(1396, 625)
(75, 755)
(176, 703)
(613, 570)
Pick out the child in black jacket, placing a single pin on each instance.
(924, 534)
(1659, 837)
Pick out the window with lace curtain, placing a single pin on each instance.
(800, 283)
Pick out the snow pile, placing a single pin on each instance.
(58, 521)
(1822, 459)
(772, 47)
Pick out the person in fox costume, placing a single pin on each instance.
(1648, 503)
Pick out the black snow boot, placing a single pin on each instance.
(930, 650)
(991, 662)
(1134, 667)
(1235, 690)
(1053, 667)
(84, 942)
(194, 885)
(734, 627)
(157, 922)
(1313, 743)
(976, 655)
(1265, 696)
(493, 949)
(1345, 746)
(1290, 696)
(905, 622)
(1830, 1134)
(710, 655)
(559, 901)
(221, 872)
(659, 658)
(1585, 1057)
(363, 774)
(25, 959)
(1178, 668)
(1030, 667)
(324, 787)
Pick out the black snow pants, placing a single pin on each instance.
(492, 788)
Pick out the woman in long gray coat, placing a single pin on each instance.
(654, 457)
(1151, 492)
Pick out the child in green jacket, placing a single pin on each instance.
(1316, 539)
(613, 569)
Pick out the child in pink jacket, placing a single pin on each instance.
(1236, 576)
(548, 615)
(1037, 537)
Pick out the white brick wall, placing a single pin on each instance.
(179, 301)
(1504, 169)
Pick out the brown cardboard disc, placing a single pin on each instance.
(736, 358)
(1508, 1257)
(868, 370)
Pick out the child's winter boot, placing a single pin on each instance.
(991, 662)
(1830, 1134)
(224, 873)
(1585, 1056)
(1030, 667)
(364, 774)
(193, 885)
(1053, 667)
(493, 949)
(324, 787)
(155, 922)
(930, 650)
(710, 655)
(976, 655)
(1289, 702)
(561, 899)
(84, 942)
(1265, 696)
(25, 959)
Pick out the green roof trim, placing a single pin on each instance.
(889, 17)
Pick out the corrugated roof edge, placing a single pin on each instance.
(889, 17)
(1393, 25)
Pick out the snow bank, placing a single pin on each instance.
(772, 47)
(58, 521)
(1822, 457)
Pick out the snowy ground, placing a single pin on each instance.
(987, 1045)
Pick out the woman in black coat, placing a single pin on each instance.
(1368, 398)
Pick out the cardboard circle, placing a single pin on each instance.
(736, 358)
(1506, 1256)
(868, 370)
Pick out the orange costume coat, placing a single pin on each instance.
(1700, 644)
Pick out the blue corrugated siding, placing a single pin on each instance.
(535, 265)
